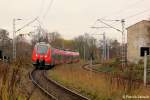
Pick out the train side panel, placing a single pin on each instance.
(44, 55)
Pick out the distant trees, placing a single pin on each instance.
(3, 34)
(55, 39)
(86, 45)
(3, 37)
(5, 42)
(23, 49)
(115, 49)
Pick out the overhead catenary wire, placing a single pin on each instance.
(139, 13)
(27, 24)
(123, 9)
(38, 17)
(109, 25)
(41, 18)
(93, 26)
(48, 9)
(130, 16)
(41, 7)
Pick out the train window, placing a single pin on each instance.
(42, 49)
(56, 56)
(59, 57)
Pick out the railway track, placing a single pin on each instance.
(88, 68)
(51, 88)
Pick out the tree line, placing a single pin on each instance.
(85, 44)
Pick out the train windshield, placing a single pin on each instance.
(42, 49)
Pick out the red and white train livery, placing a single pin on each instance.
(45, 55)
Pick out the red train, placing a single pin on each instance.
(45, 55)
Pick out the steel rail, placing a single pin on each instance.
(39, 86)
(64, 88)
(50, 91)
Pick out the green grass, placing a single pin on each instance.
(136, 70)
(105, 69)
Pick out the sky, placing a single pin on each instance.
(72, 18)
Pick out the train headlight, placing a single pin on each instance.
(36, 55)
(45, 56)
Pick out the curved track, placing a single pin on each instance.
(54, 90)
(35, 81)
(88, 68)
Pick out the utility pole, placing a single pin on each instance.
(14, 37)
(39, 33)
(123, 44)
(107, 50)
(104, 52)
(63, 46)
(14, 40)
(84, 51)
(14, 34)
(123, 50)
(104, 47)
(84, 47)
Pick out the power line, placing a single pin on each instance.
(131, 16)
(46, 12)
(125, 8)
(109, 25)
(27, 24)
(49, 7)
(41, 7)
(128, 17)
(93, 26)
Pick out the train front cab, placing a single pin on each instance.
(41, 56)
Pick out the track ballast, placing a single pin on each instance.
(51, 88)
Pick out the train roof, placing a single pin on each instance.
(61, 50)
(42, 43)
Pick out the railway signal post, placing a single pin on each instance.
(144, 52)
(145, 67)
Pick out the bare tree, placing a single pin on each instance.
(86, 45)
(5, 42)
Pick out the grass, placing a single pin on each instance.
(105, 69)
(114, 66)
(14, 81)
(93, 85)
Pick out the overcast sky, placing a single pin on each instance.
(72, 17)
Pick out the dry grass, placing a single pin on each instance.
(38, 95)
(95, 86)
(90, 84)
(4, 72)
(14, 81)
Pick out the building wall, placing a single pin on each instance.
(138, 36)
